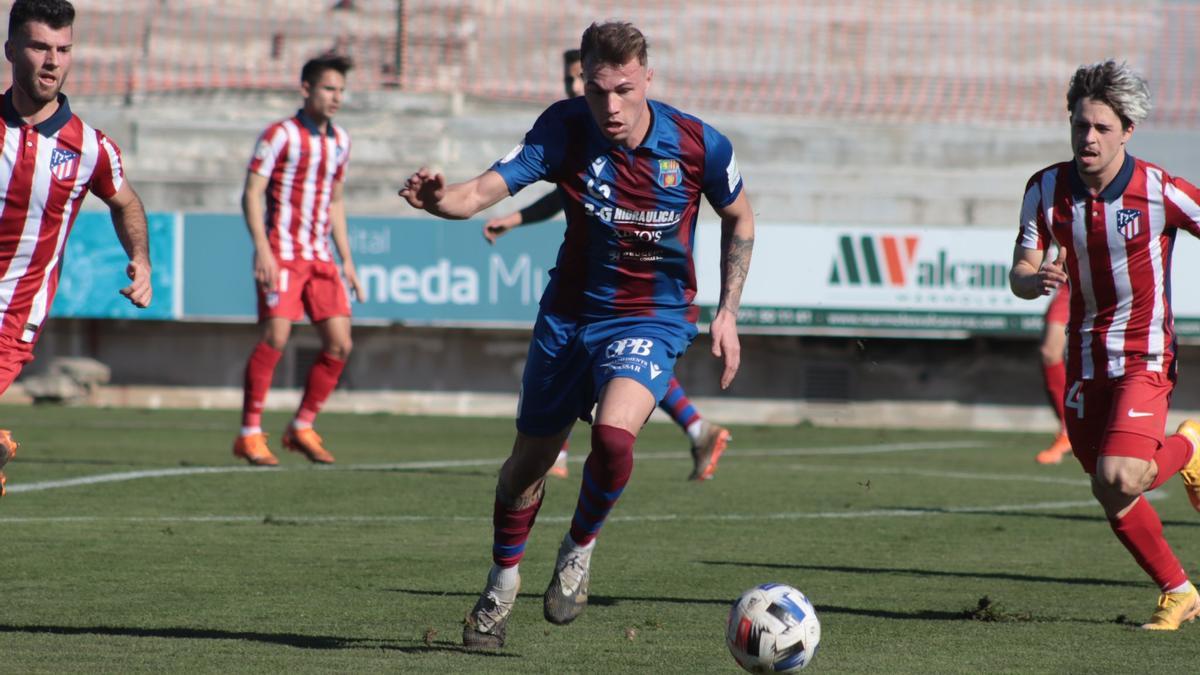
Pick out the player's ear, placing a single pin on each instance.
(8, 50)
(649, 76)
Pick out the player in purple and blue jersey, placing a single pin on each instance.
(708, 440)
(617, 311)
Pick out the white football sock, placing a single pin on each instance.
(695, 430)
(249, 431)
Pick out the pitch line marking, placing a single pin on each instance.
(124, 476)
(670, 517)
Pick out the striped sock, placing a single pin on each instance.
(605, 474)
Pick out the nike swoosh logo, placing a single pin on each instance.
(1135, 413)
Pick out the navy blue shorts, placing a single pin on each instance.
(570, 362)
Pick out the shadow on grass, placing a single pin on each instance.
(1005, 576)
(283, 639)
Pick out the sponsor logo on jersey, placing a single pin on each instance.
(669, 173)
(656, 220)
(1129, 222)
(888, 260)
(63, 163)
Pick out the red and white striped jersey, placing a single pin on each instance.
(1119, 246)
(301, 166)
(45, 172)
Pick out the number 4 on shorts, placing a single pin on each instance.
(1074, 399)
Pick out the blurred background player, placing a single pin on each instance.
(52, 159)
(708, 440)
(617, 311)
(1114, 219)
(293, 202)
(1054, 371)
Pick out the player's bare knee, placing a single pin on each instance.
(340, 350)
(1123, 482)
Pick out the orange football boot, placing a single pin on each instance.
(706, 451)
(8, 450)
(1057, 450)
(308, 443)
(253, 449)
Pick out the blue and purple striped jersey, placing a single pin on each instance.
(631, 214)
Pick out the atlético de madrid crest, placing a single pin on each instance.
(669, 174)
(1129, 222)
(64, 163)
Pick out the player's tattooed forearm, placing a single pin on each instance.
(736, 267)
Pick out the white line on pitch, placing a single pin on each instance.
(711, 517)
(124, 476)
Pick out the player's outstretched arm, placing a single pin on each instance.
(737, 244)
(266, 268)
(129, 220)
(1032, 275)
(427, 190)
(341, 239)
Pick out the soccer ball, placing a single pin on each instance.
(773, 628)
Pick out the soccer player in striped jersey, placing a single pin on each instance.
(293, 203)
(49, 160)
(617, 311)
(1054, 372)
(1114, 219)
(708, 440)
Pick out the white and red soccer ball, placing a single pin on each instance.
(773, 628)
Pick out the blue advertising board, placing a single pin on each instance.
(413, 270)
(92, 270)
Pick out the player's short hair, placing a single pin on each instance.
(54, 13)
(1118, 85)
(315, 67)
(613, 42)
(571, 56)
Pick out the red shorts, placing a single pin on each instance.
(1059, 310)
(1124, 417)
(311, 287)
(14, 354)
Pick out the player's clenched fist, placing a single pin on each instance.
(424, 189)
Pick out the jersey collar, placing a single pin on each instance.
(47, 127)
(1113, 190)
(312, 126)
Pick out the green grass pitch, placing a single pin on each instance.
(923, 551)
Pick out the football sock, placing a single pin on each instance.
(1181, 588)
(510, 531)
(259, 371)
(250, 431)
(322, 379)
(605, 473)
(1172, 456)
(1141, 531)
(1055, 379)
(298, 423)
(679, 407)
(694, 430)
(562, 455)
(504, 578)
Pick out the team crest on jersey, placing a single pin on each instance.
(1129, 223)
(669, 174)
(64, 163)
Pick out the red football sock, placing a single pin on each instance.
(260, 369)
(605, 473)
(1055, 379)
(1172, 455)
(322, 380)
(510, 531)
(1140, 529)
